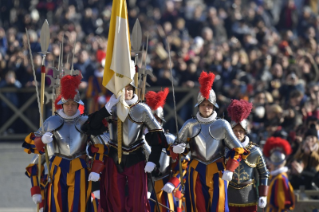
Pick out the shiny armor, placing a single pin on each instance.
(69, 141)
(206, 139)
(211, 99)
(243, 124)
(159, 112)
(165, 160)
(242, 188)
(35, 160)
(139, 118)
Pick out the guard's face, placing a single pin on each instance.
(239, 132)
(129, 92)
(70, 108)
(206, 109)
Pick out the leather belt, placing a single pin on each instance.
(127, 151)
(77, 155)
(251, 181)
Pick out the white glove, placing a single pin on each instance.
(101, 100)
(113, 101)
(96, 195)
(37, 198)
(149, 195)
(179, 148)
(41, 209)
(47, 138)
(262, 202)
(228, 175)
(149, 167)
(168, 187)
(94, 177)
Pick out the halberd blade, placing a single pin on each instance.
(45, 37)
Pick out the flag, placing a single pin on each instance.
(117, 69)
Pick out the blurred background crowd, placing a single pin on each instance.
(263, 51)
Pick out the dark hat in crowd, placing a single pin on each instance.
(312, 131)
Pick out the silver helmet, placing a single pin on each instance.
(211, 99)
(277, 157)
(159, 112)
(76, 98)
(243, 124)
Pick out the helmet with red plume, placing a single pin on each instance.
(69, 89)
(276, 150)
(156, 102)
(206, 81)
(239, 110)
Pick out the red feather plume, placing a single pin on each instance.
(276, 142)
(239, 110)
(155, 100)
(206, 81)
(81, 109)
(69, 86)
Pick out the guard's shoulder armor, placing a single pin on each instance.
(190, 129)
(52, 123)
(80, 121)
(253, 156)
(218, 127)
(170, 138)
(141, 113)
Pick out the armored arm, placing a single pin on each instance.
(263, 174)
(33, 142)
(141, 113)
(189, 130)
(96, 123)
(221, 129)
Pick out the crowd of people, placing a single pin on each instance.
(263, 51)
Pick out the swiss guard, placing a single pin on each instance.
(123, 179)
(281, 195)
(242, 191)
(69, 169)
(208, 175)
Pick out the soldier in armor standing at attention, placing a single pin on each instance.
(207, 176)
(66, 144)
(124, 183)
(242, 192)
(281, 195)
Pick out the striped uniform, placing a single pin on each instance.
(205, 188)
(281, 195)
(165, 198)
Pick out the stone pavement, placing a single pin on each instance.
(14, 184)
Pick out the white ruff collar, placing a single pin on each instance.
(279, 171)
(132, 101)
(63, 115)
(206, 120)
(246, 141)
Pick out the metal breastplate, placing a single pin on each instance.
(69, 142)
(204, 147)
(242, 174)
(132, 133)
(139, 118)
(164, 160)
(246, 171)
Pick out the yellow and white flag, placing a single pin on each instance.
(117, 71)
